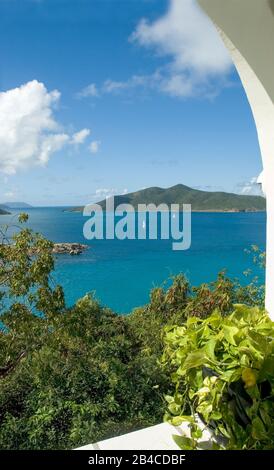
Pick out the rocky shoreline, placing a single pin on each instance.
(69, 248)
(58, 248)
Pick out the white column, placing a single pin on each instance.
(269, 301)
(241, 21)
(263, 112)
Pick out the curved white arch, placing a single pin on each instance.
(247, 29)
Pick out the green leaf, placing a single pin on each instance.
(197, 433)
(178, 420)
(259, 342)
(231, 375)
(194, 359)
(229, 333)
(267, 369)
(258, 430)
(185, 443)
(209, 348)
(216, 415)
(223, 431)
(174, 409)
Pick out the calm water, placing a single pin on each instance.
(123, 272)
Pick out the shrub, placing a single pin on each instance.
(222, 368)
(88, 379)
(69, 377)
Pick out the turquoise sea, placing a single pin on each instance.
(123, 272)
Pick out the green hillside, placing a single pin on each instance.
(199, 200)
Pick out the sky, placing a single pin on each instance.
(103, 97)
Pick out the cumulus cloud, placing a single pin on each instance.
(193, 60)
(29, 133)
(94, 146)
(193, 48)
(187, 36)
(80, 137)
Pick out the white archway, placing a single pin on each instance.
(247, 29)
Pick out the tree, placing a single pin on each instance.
(29, 301)
(72, 376)
(67, 376)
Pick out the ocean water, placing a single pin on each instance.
(121, 273)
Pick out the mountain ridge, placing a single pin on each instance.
(201, 201)
(15, 205)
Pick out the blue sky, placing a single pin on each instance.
(101, 97)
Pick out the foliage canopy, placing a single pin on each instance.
(71, 376)
(223, 370)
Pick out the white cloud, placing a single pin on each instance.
(195, 52)
(108, 192)
(188, 37)
(112, 86)
(80, 137)
(152, 81)
(94, 146)
(177, 85)
(29, 133)
(116, 87)
(105, 192)
(50, 144)
(90, 90)
(194, 60)
(250, 188)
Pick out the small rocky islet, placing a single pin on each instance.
(57, 249)
(73, 249)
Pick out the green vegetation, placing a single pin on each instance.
(67, 376)
(72, 376)
(199, 200)
(223, 369)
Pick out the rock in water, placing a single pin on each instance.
(69, 248)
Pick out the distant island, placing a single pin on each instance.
(15, 205)
(201, 201)
(6, 206)
(4, 211)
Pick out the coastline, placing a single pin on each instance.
(222, 211)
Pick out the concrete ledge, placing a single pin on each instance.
(157, 437)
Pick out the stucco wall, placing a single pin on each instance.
(247, 29)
